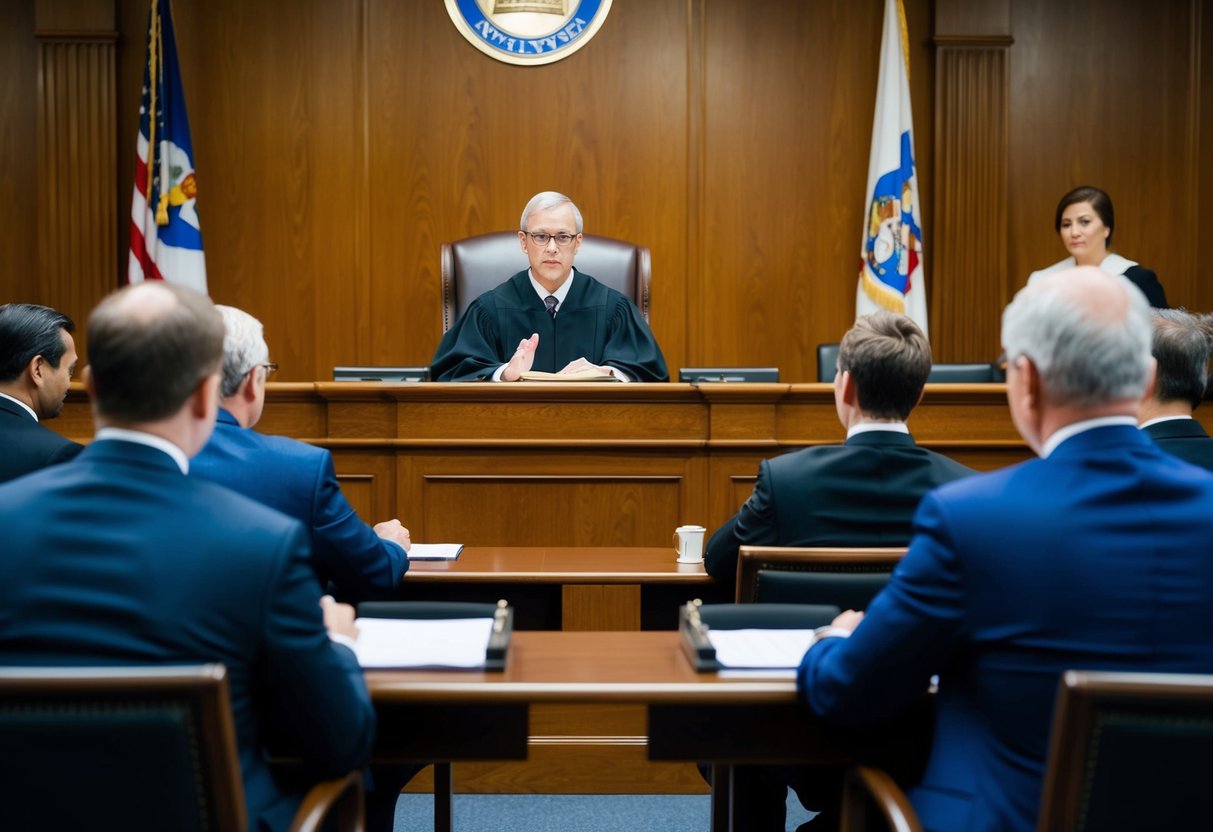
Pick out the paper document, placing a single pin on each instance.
(584, 375)
(455, 643)
(435, 551)
(760, 648)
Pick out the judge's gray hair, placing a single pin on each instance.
(1086, 353)
(244, 347)
(545, 201)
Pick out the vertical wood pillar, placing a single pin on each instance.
(77, 162)
(970, 285)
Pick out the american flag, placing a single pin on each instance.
(166, 238)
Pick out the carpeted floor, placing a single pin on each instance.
(569, 813)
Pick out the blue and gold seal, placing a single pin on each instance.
(528, 32)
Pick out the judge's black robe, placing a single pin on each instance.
(594, 322)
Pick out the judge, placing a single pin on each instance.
(551, 317)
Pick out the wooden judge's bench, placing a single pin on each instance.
(550, 469)
(580, 464)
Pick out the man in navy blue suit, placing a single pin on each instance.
(37, 360)
(298, 479)
(119, 558)
(1094, 556)
(1181, 347)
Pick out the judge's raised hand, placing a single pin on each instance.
(393, 531)
(522, 359)
(579, 365)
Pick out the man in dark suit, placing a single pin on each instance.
(37, 360)
(863, 493)
(1181, 347)
(1095, 556)
(296, 478)
(120, 558)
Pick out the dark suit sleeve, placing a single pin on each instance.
(907, 635)
(470, 349)
(318, 697)
(753, 525)
(631, 347)
(1147, 281)
(363, 565)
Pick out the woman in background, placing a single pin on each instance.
(1085, 221)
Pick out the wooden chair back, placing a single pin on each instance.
(845, 577)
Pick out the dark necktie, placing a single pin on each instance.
(550, 302)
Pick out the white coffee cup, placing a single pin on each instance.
(688, 543)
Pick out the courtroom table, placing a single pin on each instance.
(451, 716)
(568, 587)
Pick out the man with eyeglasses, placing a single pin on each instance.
(350, 559)
(551, 317)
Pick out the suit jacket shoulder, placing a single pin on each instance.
(27, 445)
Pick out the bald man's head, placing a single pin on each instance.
(149, 346)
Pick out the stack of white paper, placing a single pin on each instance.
(760, 648)
(457, 643)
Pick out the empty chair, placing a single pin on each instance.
(472, 266)
(827, 361)
(844, 577)
(120, 748)
(767, 616)
(962, 374)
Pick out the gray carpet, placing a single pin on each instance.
(570, 813)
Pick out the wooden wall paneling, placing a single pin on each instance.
(1112, 108)
(461, 141)
(76, 159)
(613, 607)
(505, 499)
(18, 154)
(368, 480)
(790, 92)
(277, 105)
(970, 281)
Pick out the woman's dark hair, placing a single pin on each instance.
(1100, 201)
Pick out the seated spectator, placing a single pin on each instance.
(37, 360)
(861, 493)
(353, 561)
(1093, 557)
(1181, 347)
(120, 558)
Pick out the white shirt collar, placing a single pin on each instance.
(28, 409)
(1158, 419)
(560, 294)
(1075, 428)
(869, 427)
(141, 438)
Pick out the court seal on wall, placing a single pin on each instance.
(528, 32)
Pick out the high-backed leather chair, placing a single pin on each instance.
(827, 362)
(1128, 751)
(845, 577)
(119, 748)
(472, 266)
